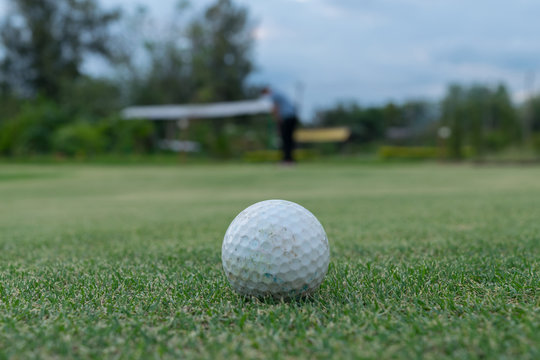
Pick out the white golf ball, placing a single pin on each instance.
(275, 248)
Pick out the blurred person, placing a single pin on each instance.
(284, 113)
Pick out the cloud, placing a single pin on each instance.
(506, 57)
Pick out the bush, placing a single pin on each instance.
(81, 139)
(30, 131)
(127, 136)
(111, 135)
(42, 127)
(419, 152)
(412, 152)
(496, 141)
(536, 142)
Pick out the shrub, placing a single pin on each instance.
(412, 152)
(30, 131)
(126, 136)
(496, 141)
(536, 142)
(81, 139)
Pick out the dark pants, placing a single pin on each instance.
(287, 127)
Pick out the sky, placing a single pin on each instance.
(320, 52)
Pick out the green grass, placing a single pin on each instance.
(124, 262)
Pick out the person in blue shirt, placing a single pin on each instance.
(284, 112)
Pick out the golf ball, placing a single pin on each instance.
(275, 248)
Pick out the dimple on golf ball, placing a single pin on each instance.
(275, 248)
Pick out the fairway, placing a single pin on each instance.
(426, 261)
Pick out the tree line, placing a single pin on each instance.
(51, 103)
(470, 120)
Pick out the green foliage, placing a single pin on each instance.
(44, 43)
(79, 138)
(366, 124)
(92, 98)
(536, 142)
(42, 127)
(371, 124)
(110, 135)
(453, 117)
(226, 138)
(410, 152)
(481, 117)
(217, 142)
(221, 50)
(127, 137)
(10, 106)
(202, 60)
(532, 115)
(495, 141)
(167, 80)
(31, 130)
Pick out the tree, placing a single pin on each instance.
(373, 123)
(205, 59)
(531, 113)
(166, 80)
(366, 124)
(92, 98)
(480, 116)
(505, 116)
(221, 45)
(45, 43)
(221, 42)
(160, 73)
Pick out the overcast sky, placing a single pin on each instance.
(373, 51)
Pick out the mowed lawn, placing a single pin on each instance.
(427, 261)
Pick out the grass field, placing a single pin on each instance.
(427, 261)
